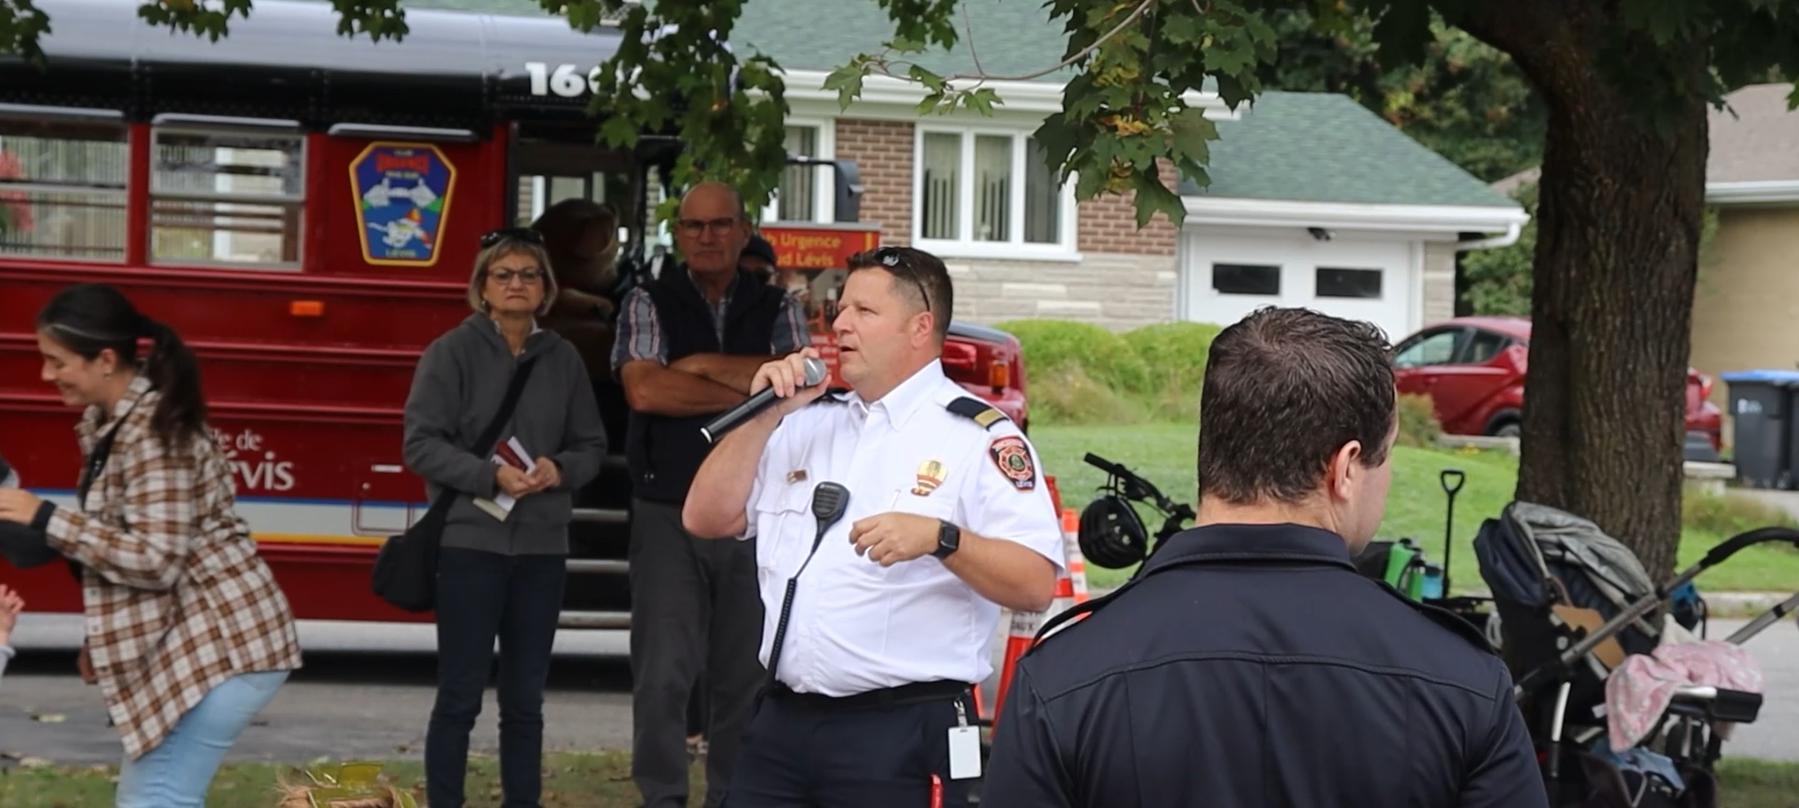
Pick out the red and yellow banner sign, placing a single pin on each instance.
(819, 246)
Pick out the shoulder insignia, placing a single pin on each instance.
(1013, 457)
(976, 410)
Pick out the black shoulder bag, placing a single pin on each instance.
(405, 573)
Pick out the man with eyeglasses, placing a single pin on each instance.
(689, 343)
(878, 622)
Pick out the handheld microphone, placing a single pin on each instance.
(730, 419)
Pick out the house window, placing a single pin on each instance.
(62, 189)
(226, 197)
(1246, 279)
(1341, 282)
(1042, 198)
(990, 194)
(942, 185)
(805, 193)
(799, 191)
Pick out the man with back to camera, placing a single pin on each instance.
(688, 345)
(1249, 664)
(894, 607)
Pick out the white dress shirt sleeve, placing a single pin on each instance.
(1004, 508)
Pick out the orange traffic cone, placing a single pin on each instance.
(1071, 549)
(1071, 588)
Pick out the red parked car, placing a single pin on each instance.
(1473, 368)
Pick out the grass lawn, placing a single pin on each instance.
(1165, 454)
(571, 779)
(602, 780)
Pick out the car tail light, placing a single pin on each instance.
(999, 374)
(1705, 386)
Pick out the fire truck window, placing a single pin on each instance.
(226, 198)
(62, 190)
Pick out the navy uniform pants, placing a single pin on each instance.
(807, 750)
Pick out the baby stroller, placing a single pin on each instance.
(1573, 603)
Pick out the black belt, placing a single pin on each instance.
(887, 697)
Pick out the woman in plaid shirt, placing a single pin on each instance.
(188, 635)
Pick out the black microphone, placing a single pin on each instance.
(731, 418)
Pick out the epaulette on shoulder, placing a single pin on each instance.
(1449, 620)
(977, 411)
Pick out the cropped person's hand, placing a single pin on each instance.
(515, 483)
(787, 376)
(85, 664)
(545, 475)
(10, 606)
(18, 505)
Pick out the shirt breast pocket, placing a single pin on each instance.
(784, 527)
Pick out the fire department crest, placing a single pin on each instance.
(930, 475)
(1014, 460)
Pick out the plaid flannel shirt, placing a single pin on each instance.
(176, 598)
(640, 329)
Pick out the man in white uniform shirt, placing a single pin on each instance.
(893, 614)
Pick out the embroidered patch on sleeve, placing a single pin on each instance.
(1014, 460)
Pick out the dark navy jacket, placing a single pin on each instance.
(1252, 666)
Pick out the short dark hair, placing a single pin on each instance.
(1284, 390)
(919, 276)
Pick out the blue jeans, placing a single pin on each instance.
(480, 596)
(178, 771)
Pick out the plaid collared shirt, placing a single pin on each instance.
(177, 600)
(640, 332)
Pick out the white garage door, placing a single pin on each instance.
(1224, 277)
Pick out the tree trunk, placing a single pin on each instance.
(1617, 253)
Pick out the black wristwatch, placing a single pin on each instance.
(949, 539)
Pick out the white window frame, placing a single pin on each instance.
(967, 247)
(824, 178)
(272, 127)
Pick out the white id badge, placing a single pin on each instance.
(964, 747)
(964, 752)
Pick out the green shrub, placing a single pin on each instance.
(1068, 395)
(1729, 514)
(1052, 345)
(1174, 353)
(1418, 425)
(1175, 357)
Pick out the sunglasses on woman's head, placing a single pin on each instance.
(524, 234)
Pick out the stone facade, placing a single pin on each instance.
(1116, 291)
(1439, 284)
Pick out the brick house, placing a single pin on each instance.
(1313, 200)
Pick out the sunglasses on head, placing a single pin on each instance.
(525, 234)
(894, 261)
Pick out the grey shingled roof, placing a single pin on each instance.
(1011, 37)
(1753, 139)
(1321, 147)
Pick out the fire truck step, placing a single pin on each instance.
(595, 620)
(598, 566)
(602, 516)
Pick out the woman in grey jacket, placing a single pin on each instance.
(505, 542)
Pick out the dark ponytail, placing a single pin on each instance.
(92, 318)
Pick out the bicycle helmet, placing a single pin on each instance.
(1112, 535)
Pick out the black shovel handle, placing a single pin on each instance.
(1452, 480)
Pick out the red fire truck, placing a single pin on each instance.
(303, 208)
